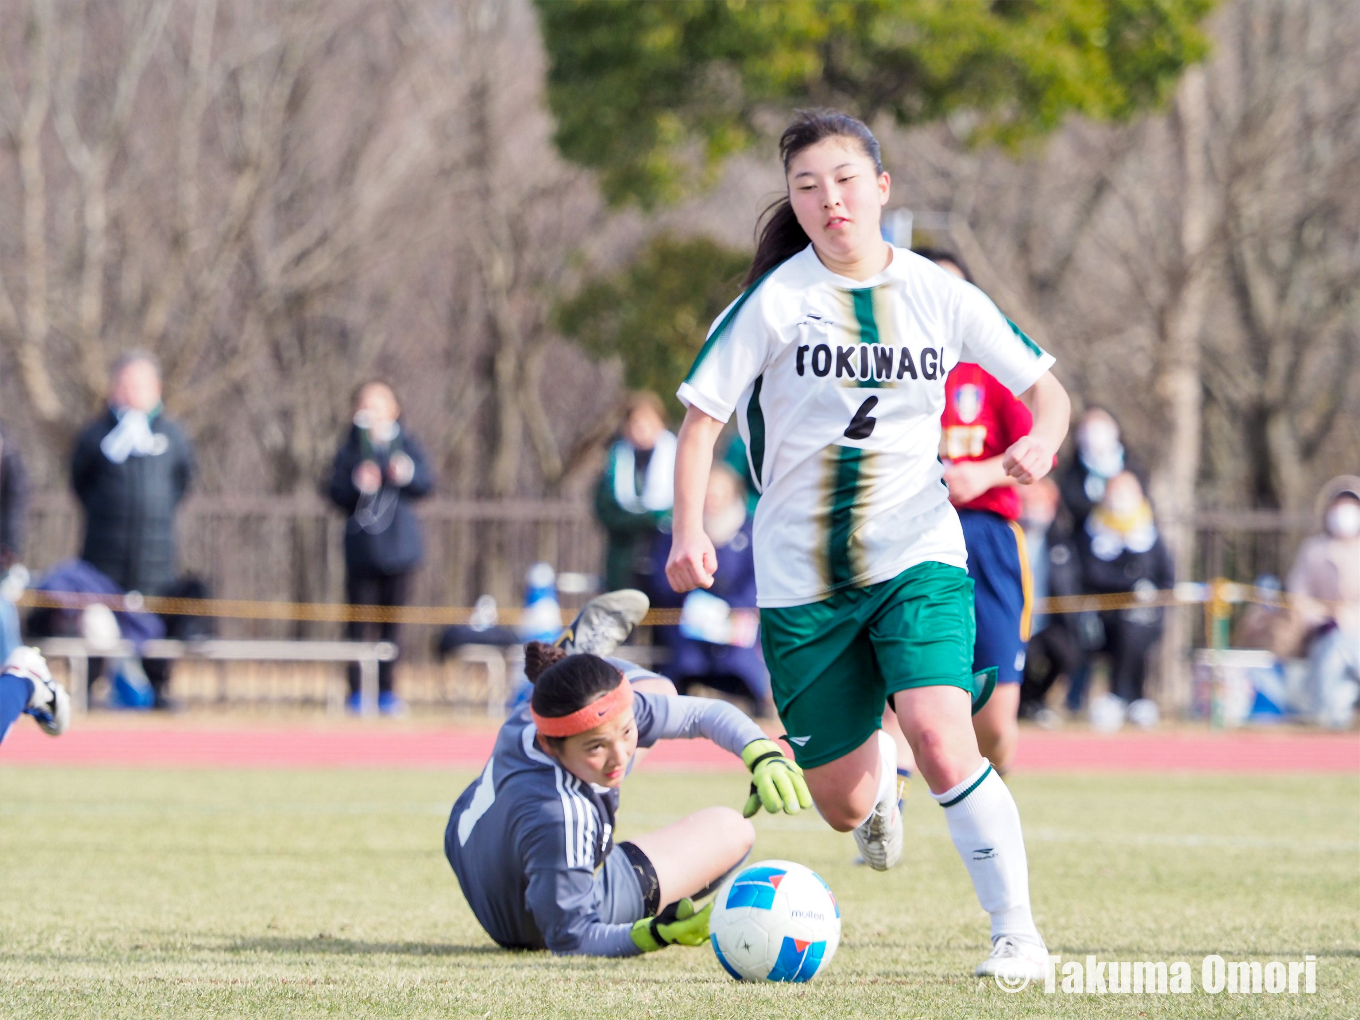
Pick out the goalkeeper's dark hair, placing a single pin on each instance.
(938, 255)
(779, 236)
(564, 684)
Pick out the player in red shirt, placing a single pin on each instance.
(981, 420)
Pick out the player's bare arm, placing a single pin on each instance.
(969, 479)
(693, 559)
(1031, 457)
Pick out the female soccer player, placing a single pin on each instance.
(835, 358)
(532, 841)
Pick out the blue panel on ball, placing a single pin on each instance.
(722, 959)
(796, 964)
(754, 888)
(761, 874)
(750, 894)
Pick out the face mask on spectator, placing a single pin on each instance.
(1098, 438)
(1124, 502)
(1343, 519)
(1100, 450)
(380, 430)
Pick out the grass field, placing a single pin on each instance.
(131, 893)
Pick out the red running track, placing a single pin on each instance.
(382, 745)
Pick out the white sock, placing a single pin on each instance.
(985, 826)
(887, 773)
(887, 768)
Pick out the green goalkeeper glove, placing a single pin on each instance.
(678, 922)
(776, 781)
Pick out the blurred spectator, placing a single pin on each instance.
(1325, 585)
(1271, 627)
(130, 470)
(716, 644)
(13, 502)
(380, 470)
(1099, 456)
(13, 507)
(635, 494)
(1057, 648)
(1122, 551)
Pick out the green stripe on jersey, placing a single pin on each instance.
(755, 428)
(863, 301)
(864, 315)
(1034, 348)
(725, 324)
(845, 493)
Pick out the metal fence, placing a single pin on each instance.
(290, 549)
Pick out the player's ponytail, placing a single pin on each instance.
(570, 683)
(780, 237)
(538, 657)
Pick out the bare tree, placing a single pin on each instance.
(1287, 159)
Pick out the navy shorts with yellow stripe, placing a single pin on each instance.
(833, 663)
(999, 567)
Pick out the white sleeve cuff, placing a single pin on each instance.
(1018, 384)
(691, 397)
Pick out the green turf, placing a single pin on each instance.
(299, 894)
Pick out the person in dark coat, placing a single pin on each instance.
(1121, 550)
(731, 661)
(130, 470)
(13, 502)
(1099, 456)
(1058, 646)
(379, 471)
(13, 509)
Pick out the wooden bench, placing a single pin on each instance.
(368, 654)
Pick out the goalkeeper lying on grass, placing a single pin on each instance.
(532, 840)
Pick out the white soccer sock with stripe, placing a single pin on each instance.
(985, 826)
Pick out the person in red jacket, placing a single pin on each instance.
(981, 420)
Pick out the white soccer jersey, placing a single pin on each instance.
(839, 386)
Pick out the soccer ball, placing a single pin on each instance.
(775, 921)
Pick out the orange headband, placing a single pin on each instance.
(597, 713)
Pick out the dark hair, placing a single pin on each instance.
(779, 237)
(938, 255)
(538, 657)
(572, 683)
(643, 400)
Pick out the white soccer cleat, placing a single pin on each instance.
(879, 837)
(49, 704)
(1015, 960)
(605, 622)
(903, 781)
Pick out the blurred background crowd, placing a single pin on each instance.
(396, 296)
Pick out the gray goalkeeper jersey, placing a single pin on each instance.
(526, 838)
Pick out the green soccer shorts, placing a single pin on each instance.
(833, 663)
